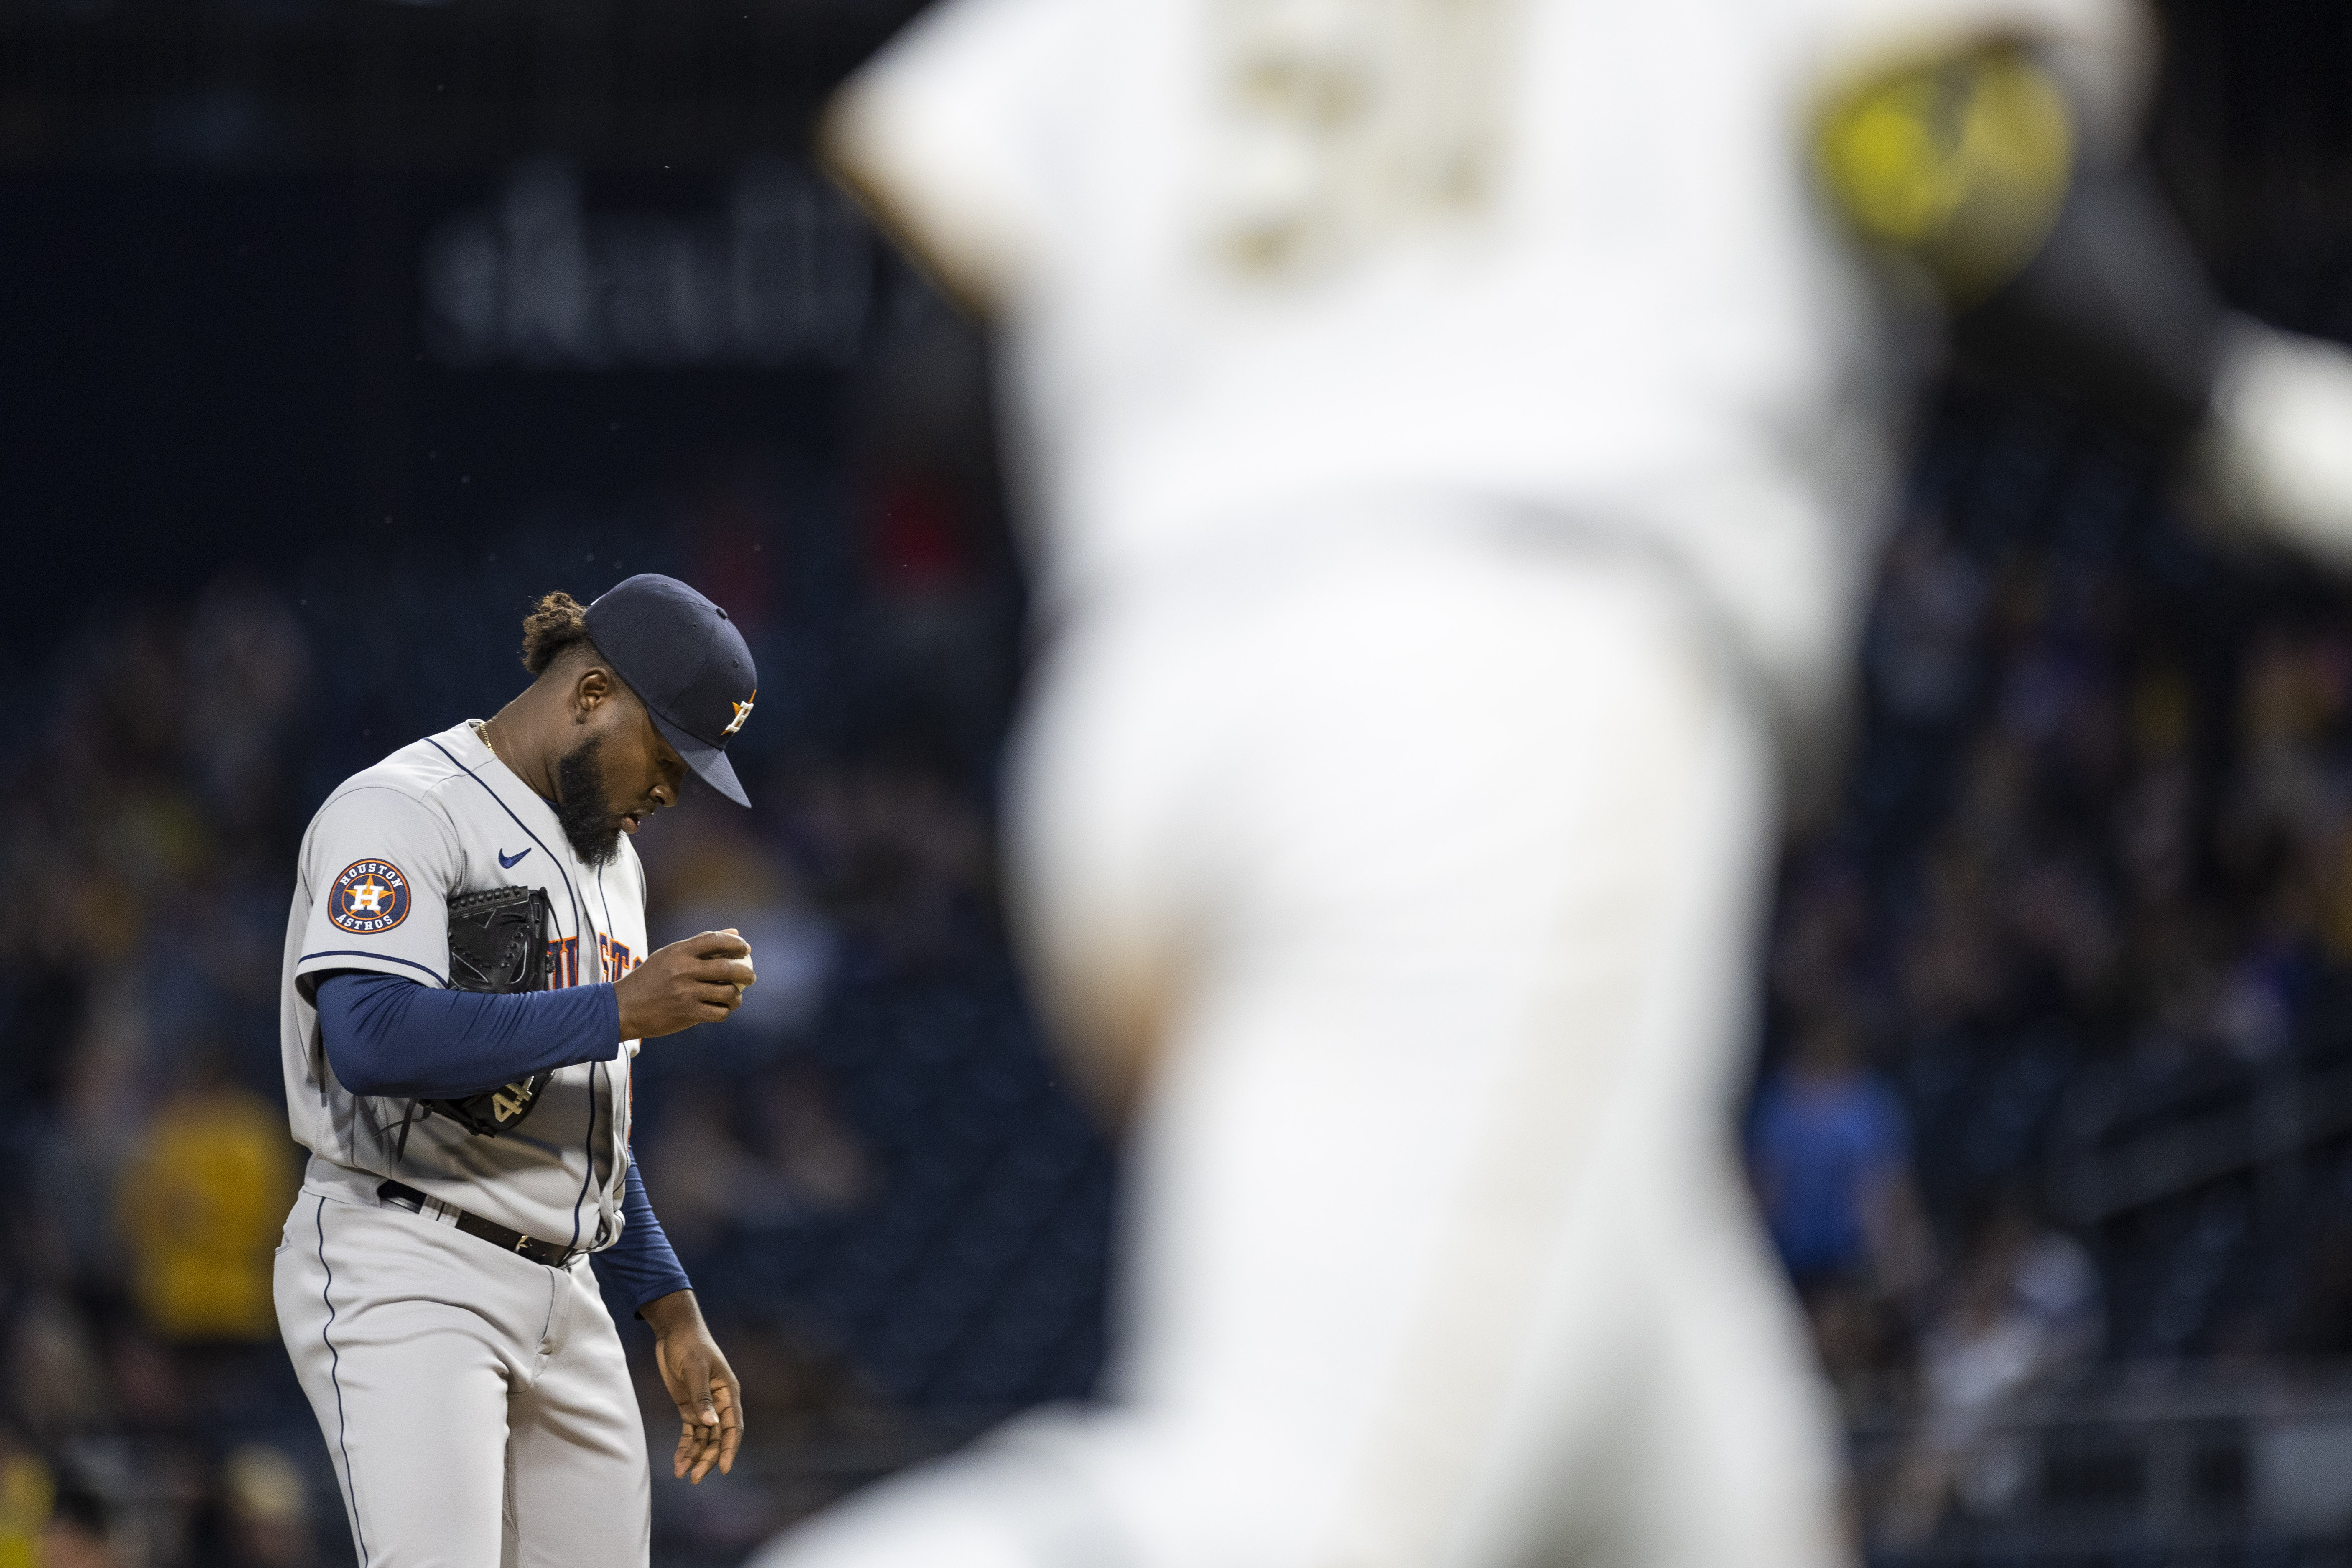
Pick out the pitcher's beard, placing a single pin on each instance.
(594, 830)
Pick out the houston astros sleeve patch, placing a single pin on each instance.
(379, 867)
(369, 897)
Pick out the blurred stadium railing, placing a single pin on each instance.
(2181, 1466)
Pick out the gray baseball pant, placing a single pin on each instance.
(476, 1406)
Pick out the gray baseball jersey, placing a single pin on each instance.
(381, 861)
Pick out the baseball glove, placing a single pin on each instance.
(498, 943)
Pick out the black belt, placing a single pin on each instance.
(498, 1235)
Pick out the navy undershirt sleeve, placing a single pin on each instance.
(388, 1035)
(642, 1264)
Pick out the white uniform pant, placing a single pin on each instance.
(476, 1406)
(1436, 1253)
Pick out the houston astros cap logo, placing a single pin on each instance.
(742, 712)
(371, 896)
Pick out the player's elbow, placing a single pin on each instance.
(358, 1070)
(2278, 456)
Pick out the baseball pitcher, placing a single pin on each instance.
(465, 982)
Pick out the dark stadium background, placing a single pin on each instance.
(304, 392)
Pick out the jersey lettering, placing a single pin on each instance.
(563, 958)
(1345, 123)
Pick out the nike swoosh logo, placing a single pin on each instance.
(507, 860)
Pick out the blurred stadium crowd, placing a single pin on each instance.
(2055, 1085)
(895, 1217)
(2086, 882)
(2059, 993)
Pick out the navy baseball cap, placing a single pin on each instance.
(686, 663)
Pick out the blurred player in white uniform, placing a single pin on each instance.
(1457, 432)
